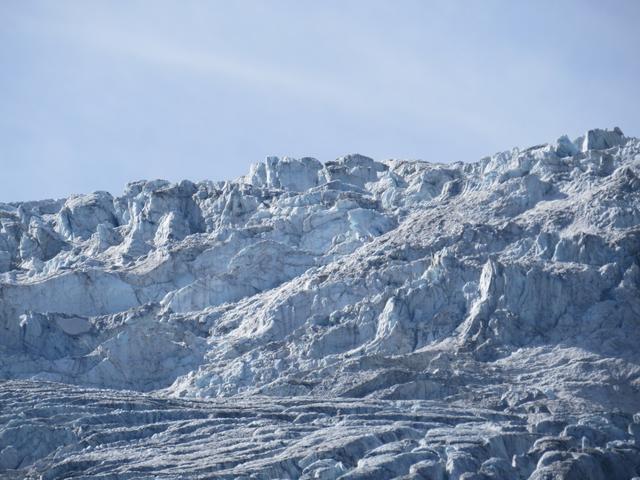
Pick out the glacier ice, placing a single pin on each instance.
(352, 319)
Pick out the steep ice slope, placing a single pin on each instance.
(509, 285)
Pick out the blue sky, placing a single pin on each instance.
(96, 94)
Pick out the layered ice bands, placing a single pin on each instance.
(396, 319)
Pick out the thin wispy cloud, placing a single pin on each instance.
(125, 90)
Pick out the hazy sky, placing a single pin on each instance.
(94, 94)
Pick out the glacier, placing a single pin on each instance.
(353, 319)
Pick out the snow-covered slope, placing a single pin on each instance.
(508, 287)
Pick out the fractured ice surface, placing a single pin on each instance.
(353, 319)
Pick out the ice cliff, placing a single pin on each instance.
(352, 319)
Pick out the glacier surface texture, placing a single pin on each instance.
(355, 319)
